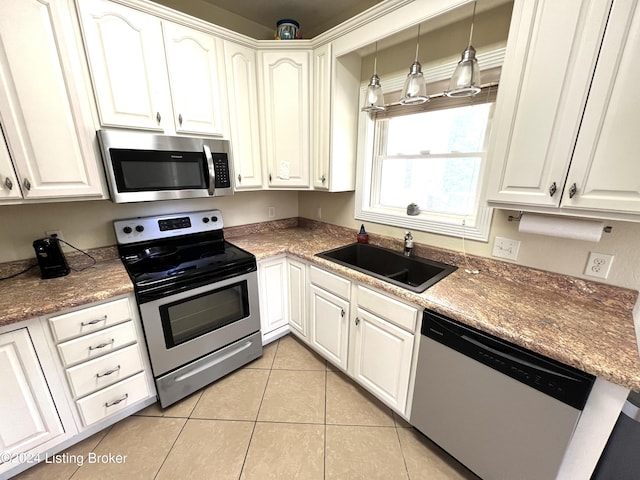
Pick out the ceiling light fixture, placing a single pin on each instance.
(374, 99)
(466, 78)
(415, 89)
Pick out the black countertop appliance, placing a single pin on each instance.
(50, 258)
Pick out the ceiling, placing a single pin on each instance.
(314, 17)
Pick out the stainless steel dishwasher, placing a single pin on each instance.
(503, 411)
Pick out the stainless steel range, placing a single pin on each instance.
(198, 298)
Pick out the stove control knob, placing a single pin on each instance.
(139, 228)
(214, 219)
(127, 230)
(205, 219)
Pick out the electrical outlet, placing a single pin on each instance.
(58, 234)
(598, 265)
(272, 212)
(506, 248)
(319, 213)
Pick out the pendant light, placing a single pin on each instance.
(374, 99)
(415, 89)
(466, 77)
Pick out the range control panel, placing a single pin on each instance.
(141, 229)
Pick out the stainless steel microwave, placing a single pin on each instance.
(142, 167)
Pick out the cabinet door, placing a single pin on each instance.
(9, 187)
(329, 326)
(382, 358)
(550, 59)
(296, 278)
(242, 86)
(28, 415)
(44, 101)
(273, 294)
(285, 117)
(605, 167)
(128, 65)
(321, 117)
(192, 61)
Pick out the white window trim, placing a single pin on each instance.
(472, 228)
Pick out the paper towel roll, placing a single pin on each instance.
(564, 227)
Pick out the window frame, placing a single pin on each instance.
(471, 227)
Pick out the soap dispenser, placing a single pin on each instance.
(362, 237)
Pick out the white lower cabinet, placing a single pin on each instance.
(329, 325)
(28, 413)
(272, 287)
(297, 285)
(382, 357)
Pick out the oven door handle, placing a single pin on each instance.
(214, 361)
(212, 172)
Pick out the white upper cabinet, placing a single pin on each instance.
(45, 105)
(128, 68)
(321, 116)
(565, 123)
(192, 61)
(9, 188)
(242, 87)
(285, 117)
(135, 80)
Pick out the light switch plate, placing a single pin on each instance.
(506, 248)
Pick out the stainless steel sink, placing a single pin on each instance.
(413, 273)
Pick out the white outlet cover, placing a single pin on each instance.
(598, 265)
(506, 248)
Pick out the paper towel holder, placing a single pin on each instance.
(512, 218)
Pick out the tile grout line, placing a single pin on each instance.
(172, 445)
(255, 422)
(93, 449)
(324, 456)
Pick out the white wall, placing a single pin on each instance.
(89, 224)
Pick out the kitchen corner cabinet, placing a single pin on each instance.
(242, 88)
(566, 124)
(336, 83)
(29, 415)
(140, 63)
(272, 285)
(297, 288)
(285, 117)
(49, 131)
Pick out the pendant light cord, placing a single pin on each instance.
(473, 19)
(418, 43)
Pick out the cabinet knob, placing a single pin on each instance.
(158, 117)
(269, 177)
(323, 179)
(553, 189)
(26, 183)
(573, 190)
(180, 119)
(8, 183)
(357, 321)
(239, 178)
(342, 313)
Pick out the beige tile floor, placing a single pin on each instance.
(287, 415)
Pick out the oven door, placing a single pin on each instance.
(183, 327)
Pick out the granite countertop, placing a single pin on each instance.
(584, 324)
(27, 296)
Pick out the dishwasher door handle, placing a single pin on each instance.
(515, 359)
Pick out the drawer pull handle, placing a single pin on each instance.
(115, 402)
(93, 322)
(108, 372)
(102, 345)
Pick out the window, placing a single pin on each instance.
(432, 155)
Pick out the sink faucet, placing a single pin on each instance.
(408, 244)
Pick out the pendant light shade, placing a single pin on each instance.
(374, 99)
(414, 90)
(465, 81)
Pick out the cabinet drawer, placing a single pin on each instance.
(97, 344)
(107, 370)
(89, 319)
(110, 400)
(330, 282)
(388, 308)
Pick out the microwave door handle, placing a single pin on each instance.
(212, 172)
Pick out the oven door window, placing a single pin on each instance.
(196, 316)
